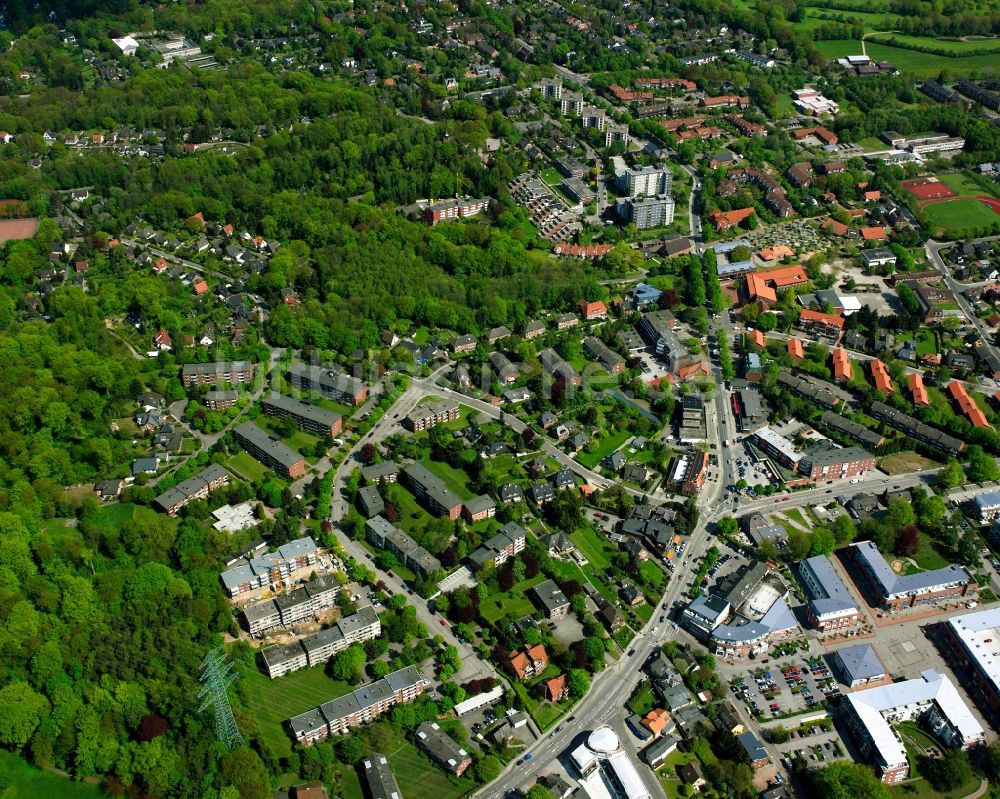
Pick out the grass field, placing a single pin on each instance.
(967, 185)
(550, 176)
(959, 48)
(955, 217)
(271, 702)
(914, 739)
(926, 344)
(413, 518)
(246, 467)
(911, 61)
(301, 441)
(455, 479)
(514, 603)
(904, 463)
(593, 548)
(19, 780)
(605, 447)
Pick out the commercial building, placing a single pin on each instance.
(311, 418)
(315, 649)
(831, 607)
(199, 486)
(916, 429)
(878, 257)
(293, 607)
(747, 409)
(501, 547)
(270, 450)
(379, 777)
(358, 707)
(987, 505)
(431, 489)
(932, 698)
(778, 447)
(693, 426)
(975, 647)
(657, 330)
(381, 533)
(442, 749)
(606, 769)
(753, 749)
(646, 212)
(333, 385)
(232, 372)
(857, 666)
(271, 569)
(893, 591)
(695, 472)
(825, 462)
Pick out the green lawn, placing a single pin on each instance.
(514, 603)
(19, 780)
(413, 768)
(915, 739)
(960, 48)
(926, 343)
(604, 447)
(455, 479)
(595, 579)
(413, 518)
(551, 176)
(642, 700)
(652, 573)
(271, 702)
(955, 217)
(594, 548)
(966, 184)
(301, 441)
(243, 464)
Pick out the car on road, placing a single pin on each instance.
(442, 622)
(631, 652)
(527, 757)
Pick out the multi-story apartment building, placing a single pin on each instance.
(498, 549)
(894, 592)
(197, 487)
(454, 209)
(312, 650)
(273, 568)
(831, 607)
(647, 181)
(973, 646)
(432, 491)
(358, 707)
(293, 607)
(270, 450)
(646, 212)
(429, 414)
(333, 385)
(385, 535)
(232, 372)
(442, 749)
(311, 418)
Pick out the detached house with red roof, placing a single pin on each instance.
(795, 349)
(968, 405)
(842, 369)
(529, 662)
(918, 392)
(880, 374)
(593, 310)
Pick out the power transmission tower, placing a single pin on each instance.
(216, 676)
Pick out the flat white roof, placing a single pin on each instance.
(779, 443)
(974, 630)
(628, 776)
(870, 705)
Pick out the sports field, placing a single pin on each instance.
(958, 218)
(920, 65)
(928, 188)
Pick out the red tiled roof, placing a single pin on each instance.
(873, 233)
(842, 369)
(918, 390)
(723, 220)
(967, 404)
(881, 377)
(795, 349)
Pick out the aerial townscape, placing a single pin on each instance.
(501, 399)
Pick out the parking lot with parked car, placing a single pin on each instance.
(773, 690)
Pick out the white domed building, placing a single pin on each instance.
(606, 772)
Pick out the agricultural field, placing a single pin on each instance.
(921, 65)
(955, 219)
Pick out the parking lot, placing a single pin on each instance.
(816, 745)
(790, 685)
